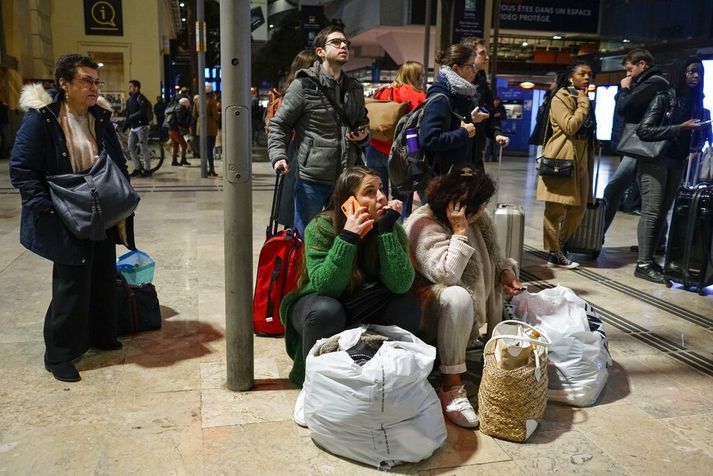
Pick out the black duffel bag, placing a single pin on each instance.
(137, 307)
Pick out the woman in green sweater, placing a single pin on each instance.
(356, 270)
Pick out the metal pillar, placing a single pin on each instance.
(426, 43)
(201, 49)
(494, 50)
(237, 211)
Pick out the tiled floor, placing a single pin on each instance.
(160, 405)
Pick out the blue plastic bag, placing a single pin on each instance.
(136, 266)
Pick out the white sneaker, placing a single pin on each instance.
(457, 407)
(299, 414)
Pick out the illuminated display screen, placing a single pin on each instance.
(604, 110)
(708, 84)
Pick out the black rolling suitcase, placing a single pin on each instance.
(589, 235)
(688, 251)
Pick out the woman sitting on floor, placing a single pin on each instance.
(460, 275)
(351, 257)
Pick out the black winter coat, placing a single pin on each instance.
(662, 121)
(41, 150)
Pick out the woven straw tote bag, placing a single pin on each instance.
(511, 403)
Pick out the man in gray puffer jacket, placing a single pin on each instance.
(326, 140)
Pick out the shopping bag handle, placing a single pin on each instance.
(547, 340)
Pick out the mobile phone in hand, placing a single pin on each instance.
(703, 123)
(349, 206)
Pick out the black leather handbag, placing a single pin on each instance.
(556, 167)
(137, 307)
(91, 202)
(632, 146)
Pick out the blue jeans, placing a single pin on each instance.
(614, 191)
(378, 162)
(140, 139)
(310, 199)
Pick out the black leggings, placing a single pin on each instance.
(316, 317)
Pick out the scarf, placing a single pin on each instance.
(456, 84)
(81, 143)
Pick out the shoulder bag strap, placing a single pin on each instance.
(340, 112)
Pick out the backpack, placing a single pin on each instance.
(148, 109)
(272, 107)
(171, 109)
(410, 171)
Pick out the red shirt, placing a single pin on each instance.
(401, 93)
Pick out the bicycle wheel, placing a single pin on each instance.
(156, 153)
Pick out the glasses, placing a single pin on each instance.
(88, 82)
(472, 65)
(337, 42)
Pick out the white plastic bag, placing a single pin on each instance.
(578, 359)
(382, 413)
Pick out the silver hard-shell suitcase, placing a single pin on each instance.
(509, 225)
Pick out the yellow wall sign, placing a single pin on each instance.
(103, 17)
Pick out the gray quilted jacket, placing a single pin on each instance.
(323, 150)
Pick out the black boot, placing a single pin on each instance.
(63, 371)
(649, 271)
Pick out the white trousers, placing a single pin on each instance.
(455, 323)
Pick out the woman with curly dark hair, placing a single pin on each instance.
(461, 275)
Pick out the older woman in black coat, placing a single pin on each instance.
(65, 134)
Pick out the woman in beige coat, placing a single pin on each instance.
(570, 136)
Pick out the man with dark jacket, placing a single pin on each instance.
(642, 82)
(491, 127)
(138, 117)
(327, 139)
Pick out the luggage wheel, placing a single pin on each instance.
(669, 283)
(701, 292)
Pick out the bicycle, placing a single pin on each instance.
(157, 153)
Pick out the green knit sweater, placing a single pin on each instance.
(329, 262)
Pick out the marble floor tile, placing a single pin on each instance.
(640, 443)
(697, 429)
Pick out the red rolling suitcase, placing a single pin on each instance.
(277, 271)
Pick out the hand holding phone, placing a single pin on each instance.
(358, 220)
(703, 123)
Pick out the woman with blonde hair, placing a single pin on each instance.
(407, 88)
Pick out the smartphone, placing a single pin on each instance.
(351, 204)
(483, 110)
(361, 129)
(703, 123)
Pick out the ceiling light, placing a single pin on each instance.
(271, 26)
(557, 37)
(183, 19)
(524, 43)
(527, 85)
(100, 64)
(181, 4)
(626, 40)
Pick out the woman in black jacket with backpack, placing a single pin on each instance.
(671, 116)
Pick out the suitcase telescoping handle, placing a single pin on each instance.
(599, 162)
(690, 159)
(497, 179)
(275, 208)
